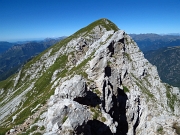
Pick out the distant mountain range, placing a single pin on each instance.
(167, 61)
(147, 42)
(5, 46)
(175, 34)
(13, 58)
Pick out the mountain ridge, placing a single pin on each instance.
(93, 82)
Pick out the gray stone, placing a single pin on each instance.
(73, 88)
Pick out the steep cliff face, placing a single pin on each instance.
(96, 81)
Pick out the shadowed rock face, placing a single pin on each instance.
(93, 127)
(107, 88)
(91, 99)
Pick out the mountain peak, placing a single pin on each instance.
(102, 23)
(109, 25)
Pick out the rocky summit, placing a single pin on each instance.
(95, 82)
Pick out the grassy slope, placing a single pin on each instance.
(42, 87)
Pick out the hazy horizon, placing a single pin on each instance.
(43, 38)
(43, 18)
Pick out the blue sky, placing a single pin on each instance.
(30, 19)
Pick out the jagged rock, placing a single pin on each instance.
(73, 88)
(65, 116)
(120, 91)
(12, 130)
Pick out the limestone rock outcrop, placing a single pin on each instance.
(102, 84)
(133, 100)
(73, 88)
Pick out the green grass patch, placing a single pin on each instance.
(6, 84)
(82, 64)
(96, 115)
(128, 56)
(171, 97)
(148, 83)
(36, 120)
(22, 116)
(144, 90)
(97, 92)
(125, 89)
(160, 130)
(37, 133)
(96, 112)
(109, 37)
(64, 119)
(84, 74)
(42, 128)
(109, 63)
(79, 68)
(34, 128)
(103, 119)
(4, 130)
